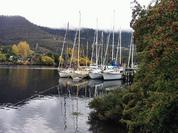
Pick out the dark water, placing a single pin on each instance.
(36, 100)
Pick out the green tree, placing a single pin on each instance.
(155, 34)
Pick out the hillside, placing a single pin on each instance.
(16, 28)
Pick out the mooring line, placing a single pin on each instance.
(31, 97)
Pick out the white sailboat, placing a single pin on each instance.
(63, 72)
(95, 73)
(67, 72)
(114, 72)
(95, 70)
(80, 73)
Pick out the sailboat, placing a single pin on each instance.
(95, 70)
(95, 73)
(114, 72)
(67, 72)
(80, 73)
(63, 72)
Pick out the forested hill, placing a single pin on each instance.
(16, 28)
(88, 35)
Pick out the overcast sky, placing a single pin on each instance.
(56, 13)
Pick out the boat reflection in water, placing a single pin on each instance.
(86, 88)
(77, 95)
(62, 108)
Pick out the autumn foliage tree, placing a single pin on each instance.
(22, 49)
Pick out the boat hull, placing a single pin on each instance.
(112, 76)
(64, 75)
(79, 74)
(95, 75)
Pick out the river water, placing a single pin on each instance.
(36, 100)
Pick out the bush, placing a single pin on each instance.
(109, 107)
(47, 60)
(2, 57)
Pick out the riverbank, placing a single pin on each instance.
(5, 66)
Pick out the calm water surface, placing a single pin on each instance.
(36, 100)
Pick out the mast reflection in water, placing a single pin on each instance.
(36, 100)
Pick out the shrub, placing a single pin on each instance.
(2, 57)
(47, 60)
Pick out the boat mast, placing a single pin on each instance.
(96, 43)
(79, 40)
(93, 47)
(120, 60)
(118, 45)
(64, 41)
(108, 38)
(87, 54)
(75, 39)
(128, 64)
(102, 48)
(113, 35)
(132, 65)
